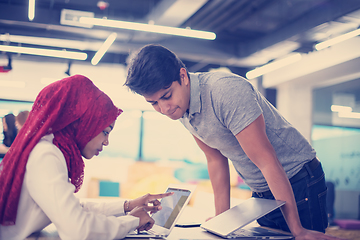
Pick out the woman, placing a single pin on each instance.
(9, 131)
(70, 118)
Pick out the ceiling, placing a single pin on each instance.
(249, 33)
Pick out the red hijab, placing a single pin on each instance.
(75, 111)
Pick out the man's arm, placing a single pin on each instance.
(218, 168)
(256, 145)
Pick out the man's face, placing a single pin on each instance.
(173, 101)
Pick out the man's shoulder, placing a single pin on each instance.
(218, 78)
(219, 83)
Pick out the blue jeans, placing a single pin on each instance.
(310, 196)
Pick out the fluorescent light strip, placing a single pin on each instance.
(345, 111)
(337, 39)
(103, 49)
(45, 52)
(339, 108)
(273, 66)
(149, 28)
(355, 115)
(31, 10)
(14, 84)
(53, 42)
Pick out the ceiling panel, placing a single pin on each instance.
(244, 28)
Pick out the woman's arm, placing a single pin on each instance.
(3, 148)
(47, 181)
(113, 208)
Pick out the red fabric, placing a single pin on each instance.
(75, 111)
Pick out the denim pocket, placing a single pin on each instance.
(310, 197)
(322, 203)
(305, 213)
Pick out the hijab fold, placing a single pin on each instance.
(75, 111)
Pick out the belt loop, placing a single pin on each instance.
(309, 170)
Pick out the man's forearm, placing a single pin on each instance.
(218, 168)
(282, 190)
(220, 180)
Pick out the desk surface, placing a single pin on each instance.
(176, 234)
(198, 213)
(190, 214)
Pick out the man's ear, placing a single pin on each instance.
(184, 76)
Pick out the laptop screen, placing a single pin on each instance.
(171, 207)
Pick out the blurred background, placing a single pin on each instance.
(303, 55)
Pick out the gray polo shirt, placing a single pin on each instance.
(222, 105)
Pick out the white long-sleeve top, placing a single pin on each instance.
(48, 196)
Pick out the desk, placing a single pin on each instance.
(202, 209)
(190, 214)
(176, 234)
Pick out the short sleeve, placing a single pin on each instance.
(235, 102)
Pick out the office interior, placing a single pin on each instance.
(316, 88)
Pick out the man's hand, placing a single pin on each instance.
(147, 199)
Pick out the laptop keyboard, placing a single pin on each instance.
(256, 232)
(241, 233)
(148, 232)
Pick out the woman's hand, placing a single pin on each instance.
(145, 222)
(146, 199)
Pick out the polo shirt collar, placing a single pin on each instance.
(195, 103)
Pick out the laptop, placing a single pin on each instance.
(232, 223)
(172, 207)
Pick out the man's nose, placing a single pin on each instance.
(164, 107)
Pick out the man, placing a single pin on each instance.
(230, 119)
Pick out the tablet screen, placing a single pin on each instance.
(171, 207)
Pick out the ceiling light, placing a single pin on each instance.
(355, 115)
(149, 28)
(71, 17)
(103, 49)
(14, 84)
(31, 10)
(337, 39)
(52, 42)
(273, 66)
(45, 52)
(339, 108)
(345, 111)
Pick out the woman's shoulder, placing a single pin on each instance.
(45, 144)
(45, 148)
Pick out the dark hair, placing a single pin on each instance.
(153, 68)
(10, 134)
